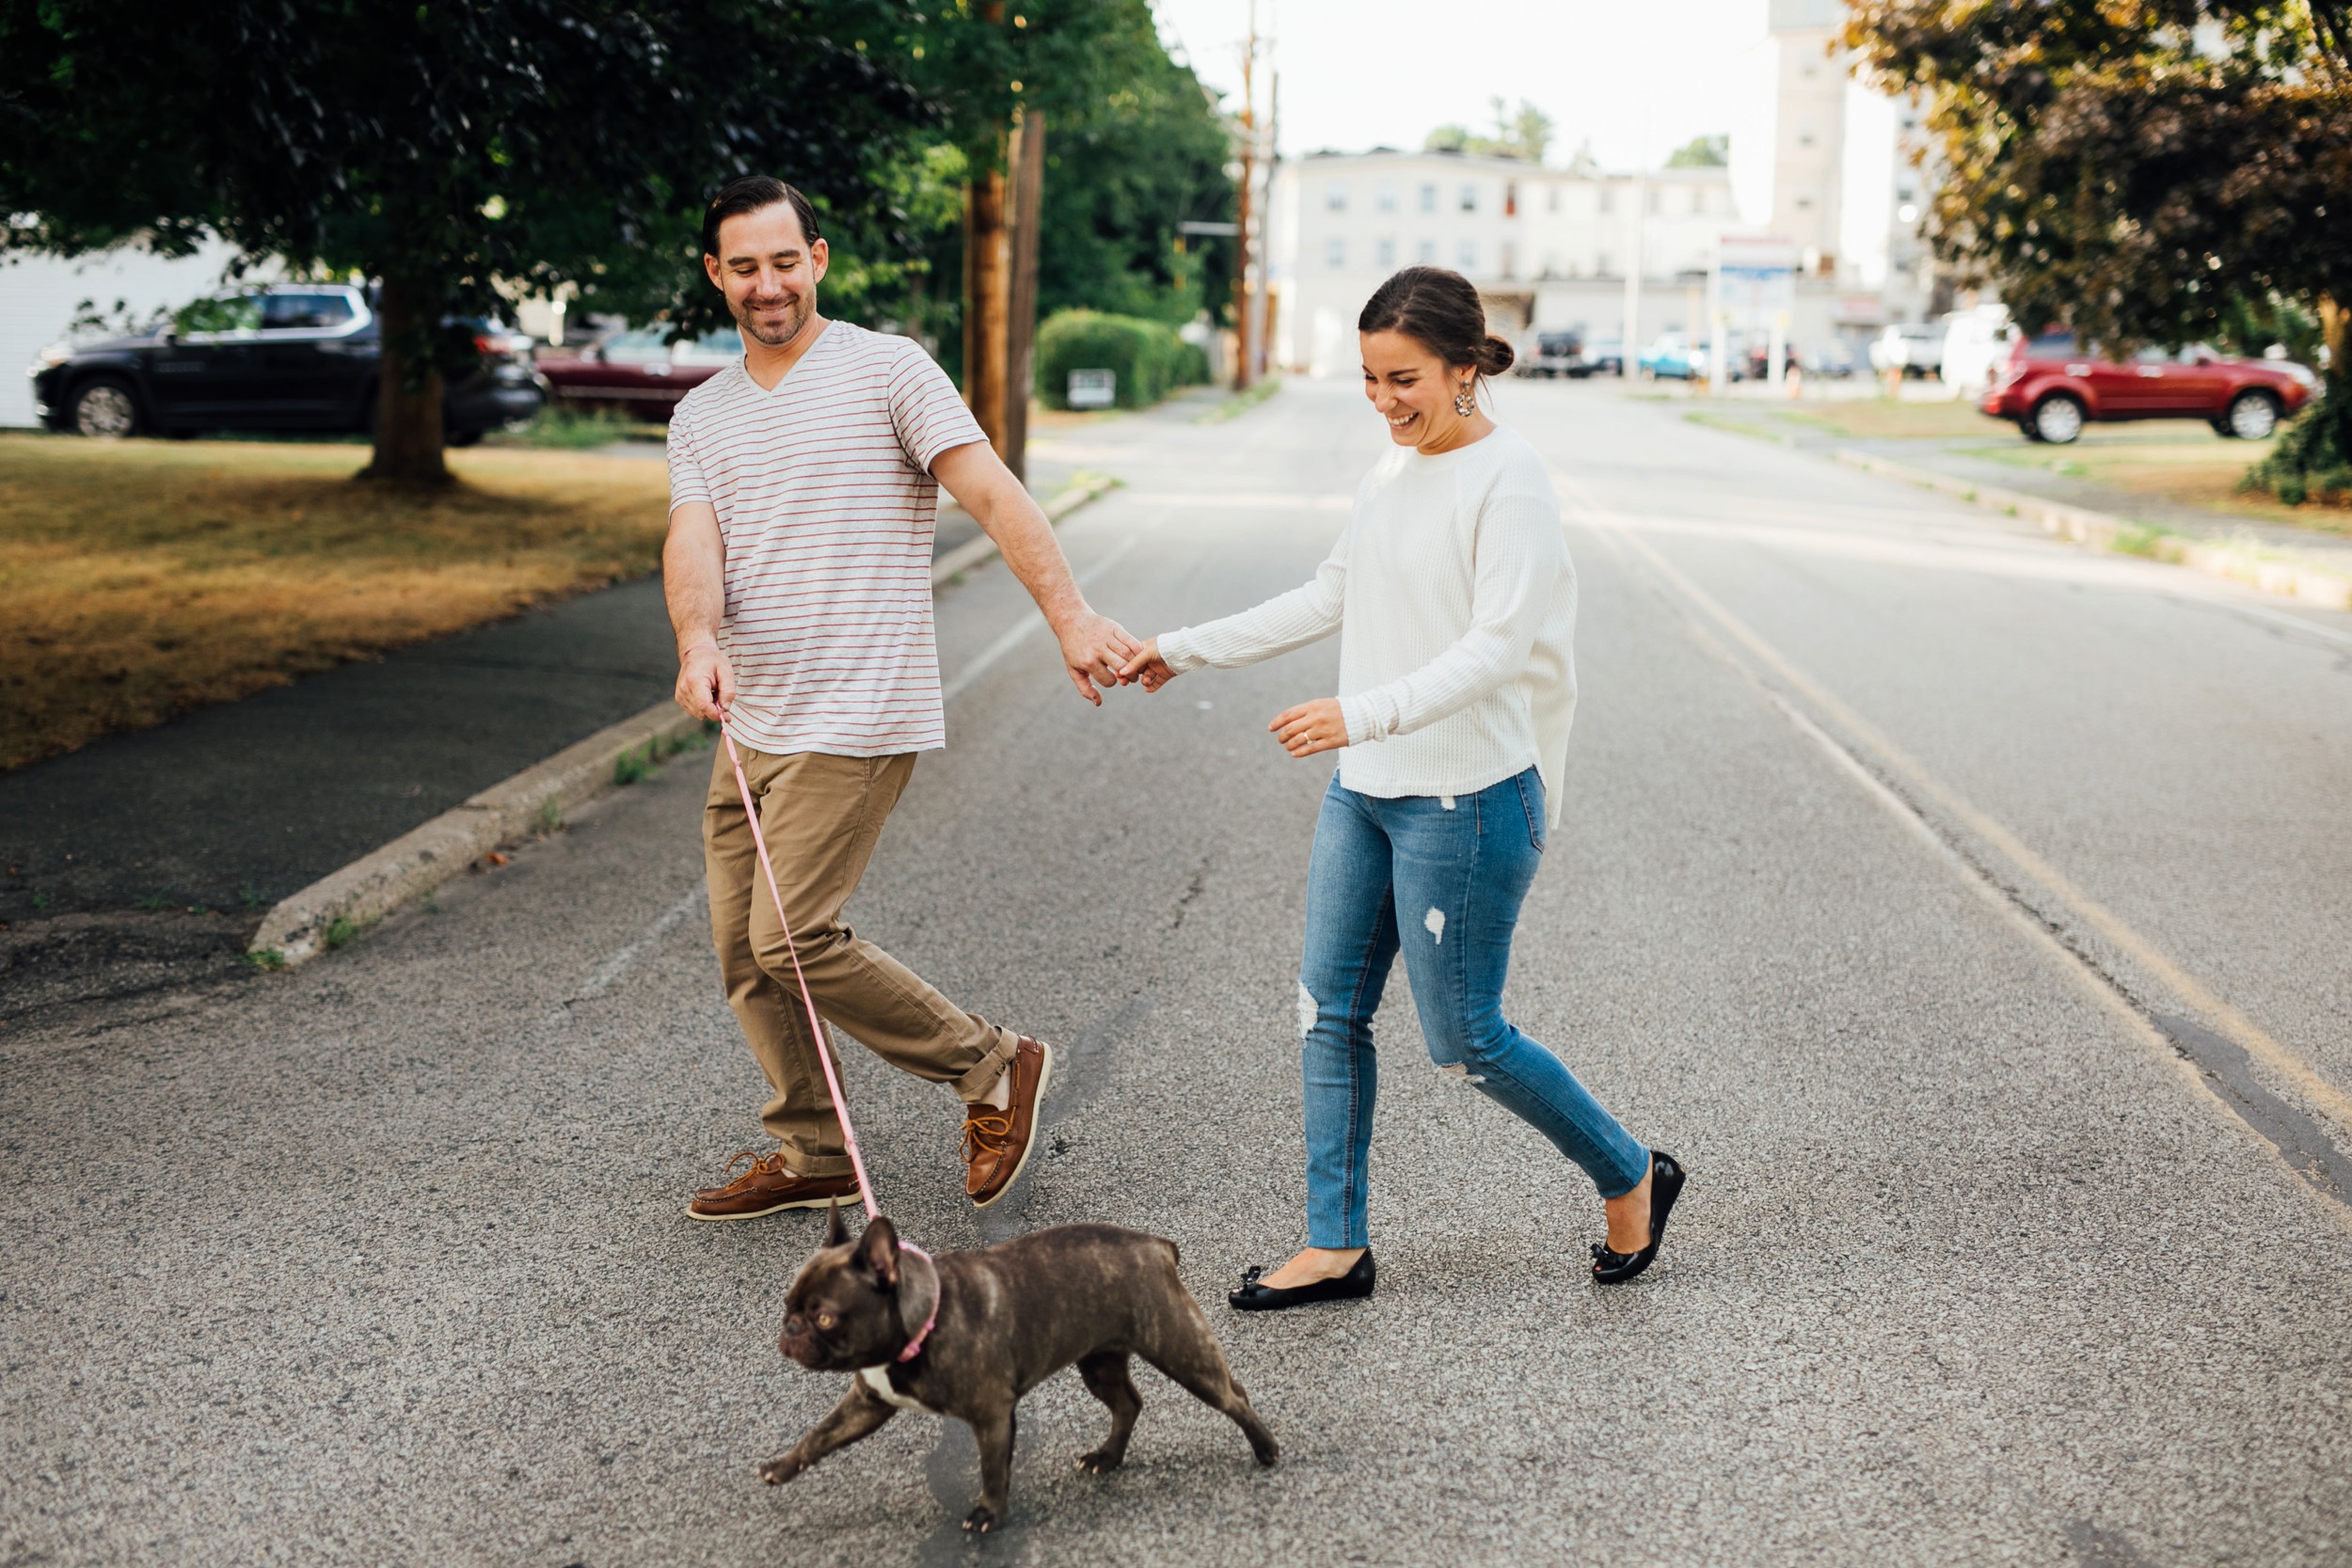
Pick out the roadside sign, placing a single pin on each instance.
(1093, 388)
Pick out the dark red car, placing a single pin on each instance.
(639, 373)
(2051, 387)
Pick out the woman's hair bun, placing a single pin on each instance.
(1441, 310)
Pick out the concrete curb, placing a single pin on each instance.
(331, 911)
(2238, 561)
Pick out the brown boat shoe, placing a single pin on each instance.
(766, 1188)
(996, 1143)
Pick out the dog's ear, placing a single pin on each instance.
(836, 1232)
(878, 1251)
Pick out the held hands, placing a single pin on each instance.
(1304, 730)
(1146, 668)
(706, 682)
(1093, 649)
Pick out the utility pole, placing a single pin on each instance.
(1633, 275)
(1244, 356)
(1028, 188)
(987, 287)
(1267, 302)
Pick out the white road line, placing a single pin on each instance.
(1893, 760)
(618, 964)
(1028, 625)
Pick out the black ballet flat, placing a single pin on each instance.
(1354, 1285)
(1666, 1178)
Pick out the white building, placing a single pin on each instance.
(1547, 247)
(1847, 186)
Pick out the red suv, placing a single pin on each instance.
(2050, 387)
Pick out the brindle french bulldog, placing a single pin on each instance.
(1001, 1320)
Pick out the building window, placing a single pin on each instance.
(1384, 195)
(1428, 254)
(1469, 199)
(1607, 204)
(1511, 199)
(1465, 256)
(1386, 251)
(1335, 195)
(1552, 198)
(1600, 265)
(1510, 260)
(1335, 252)
(1429, 198)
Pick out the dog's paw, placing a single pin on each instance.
(1101, 1462)
(980, 1520)
(776, 1471)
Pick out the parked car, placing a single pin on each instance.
(1914, 348)
(640, 373)
(289, 357)
(2050, 386)
(1674, 357)
(1833, 358)
(1557, 354)
(1605, 356)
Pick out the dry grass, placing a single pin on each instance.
(140, 580)
(1872, 419)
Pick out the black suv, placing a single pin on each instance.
(289, 357)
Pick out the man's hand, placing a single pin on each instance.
(1146, 667)
(1310, 727)
(1092, 649)
(705, 683)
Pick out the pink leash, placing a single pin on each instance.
(816, 1032)
(816, 1028)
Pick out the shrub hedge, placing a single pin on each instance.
(1148, 357)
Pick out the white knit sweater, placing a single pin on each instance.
(1455, 600)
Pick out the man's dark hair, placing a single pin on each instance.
(748, 195)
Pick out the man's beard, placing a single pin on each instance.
(777, 334)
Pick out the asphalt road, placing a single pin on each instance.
(1969, 913)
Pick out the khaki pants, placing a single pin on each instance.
(821, 816)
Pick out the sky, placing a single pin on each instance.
(1636, 77)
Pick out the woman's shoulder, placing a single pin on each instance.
(1511, 466)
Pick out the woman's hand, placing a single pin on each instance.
(1148, 667)
(1310, 727)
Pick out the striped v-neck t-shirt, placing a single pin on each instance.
(827, 509)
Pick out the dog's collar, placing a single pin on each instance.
(915, 1346)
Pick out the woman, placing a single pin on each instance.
(1456, 603)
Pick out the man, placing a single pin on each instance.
(803, 494)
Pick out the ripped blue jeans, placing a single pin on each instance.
(1442, 878)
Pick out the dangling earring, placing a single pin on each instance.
(1463, 404)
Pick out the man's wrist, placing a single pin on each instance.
(685, 648)
(1066, 608)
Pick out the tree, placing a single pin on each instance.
(2147, 171)
(1047, 66)
(453, 152)
(1525, 132)
(1701, 153)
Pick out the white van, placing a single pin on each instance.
(1974, 343)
